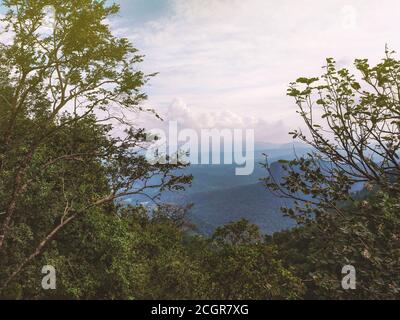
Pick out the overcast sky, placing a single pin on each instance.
(227, 63)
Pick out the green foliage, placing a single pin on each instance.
(59, 162)
(133, 256)
(354, 128)
(244, 267)
(365, 236)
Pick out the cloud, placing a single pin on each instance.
(197, 119)
(231, 60)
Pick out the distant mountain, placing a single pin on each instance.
(258, 145)
(252, 202)
(215, 177)
(226, 200)
(220, 197)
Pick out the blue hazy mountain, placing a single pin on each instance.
(216, 177)
(219, 196)
(252, 202)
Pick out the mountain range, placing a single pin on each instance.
(220, 197)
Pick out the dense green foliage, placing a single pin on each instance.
(354, 126)
(366, 236)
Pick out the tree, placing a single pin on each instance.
(366, 237)
(240, 265)
(62, 87)
(354, 129)
(77, 67)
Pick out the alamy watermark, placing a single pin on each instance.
(49, 280)
(349, 280)
(204, 146)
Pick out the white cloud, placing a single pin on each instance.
(239, 56)
(197, 119)
(230, 61)
(225, 57)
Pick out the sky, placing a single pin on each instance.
(228, 63)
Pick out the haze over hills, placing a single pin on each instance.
(252, 202)
(219, 196)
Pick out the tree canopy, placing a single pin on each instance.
(353, 124)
